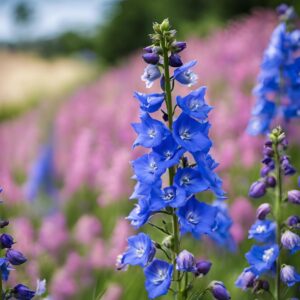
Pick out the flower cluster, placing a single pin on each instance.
(180, 148)
(14, 258)
(274, 234)
(277, 91)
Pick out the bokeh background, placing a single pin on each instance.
(68, 69)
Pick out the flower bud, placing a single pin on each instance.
(293, 221)
(271, 181)
(185, 261)
(179, 46)
(262, 211)
(6, 241)
(290, 241)
(3, 223)
(219, 290)
(246, 279)
(288, 275)
(261, 285)
(202, 267)
(148, 49)
(281, 9)
(175, 60)
(165, 25)
(268, 151)
(265, 171)
(257, 189)
(266, 160)
(151, 58)
(15, 257)
(294, 196)
(168, 242)
(287, 167)
(21, 291)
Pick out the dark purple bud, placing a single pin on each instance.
(290, 240)
(262, 211)
(180, 46)
(284, 143)
(151, 58)
(268, 151)
(266, 160)
(6, 241)
(261, 285)
(268, 144)
(185, 261)
(257, 189)
(202, 267)
(165, 116)
(15, 257)
(293, 221)
(281, 9)
(287, 167)
(22, 292)
(148, 49)
(294, 196)
(3, 223)
(219, 290)
(271, 181)
(175, 60)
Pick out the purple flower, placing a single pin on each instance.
(246, 279)
(6, 240)
(22, 292)
(257, 189)
(202, 267)
(179, 46)
(294, 196)
(185, 261)
(263, 210)
(271, 181)
(15, 257)
(293, 221)
(288, 275)
(175, 60)
(151, 73)
(151, 58)
(290, 241)
(219, 290)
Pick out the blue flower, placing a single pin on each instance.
(263, 231)
(246, 279)
(184, 75)
(290, 241)
(140, 214)
(169, 151)
(206, 166)
(288, 275)
(174, 196)
(5, 269)
(219, 291)
(150, 102)
(185, 261)
(190, 134)
(196, 217)
(150, 132)
(142, 189)
(140, 250)
(190, 180)
(221, 230)
(151, 73)
(148, 168)
(262, 258)
(158, 278)
(22, 292)
(6, 240)
(194, 104)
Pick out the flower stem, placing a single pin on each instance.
(277, 213)
(169, 104)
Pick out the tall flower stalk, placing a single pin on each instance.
(188, 174)
(275, 236)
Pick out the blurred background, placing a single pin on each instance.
(68, 69)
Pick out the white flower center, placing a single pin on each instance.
(261, 229)
(268, 254)
(152, 133)
(185, 135)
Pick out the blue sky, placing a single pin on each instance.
(53, 16)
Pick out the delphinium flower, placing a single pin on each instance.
(277, 238)
(11, 258)
(180, 148)
(277, 90)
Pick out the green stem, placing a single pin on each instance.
(277, 213)
(169, 104)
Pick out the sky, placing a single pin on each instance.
(51, 17)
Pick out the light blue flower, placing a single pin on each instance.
(289, 276)
(150, 102)
(184, 75)
(151, 73)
